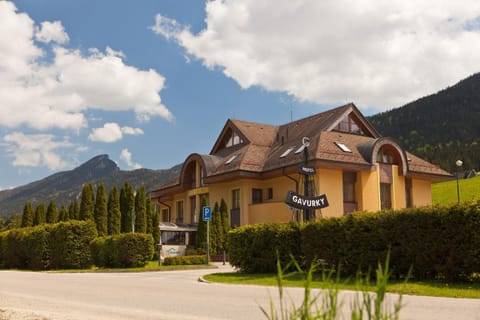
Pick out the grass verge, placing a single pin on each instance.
(150, 266)
(424, 288)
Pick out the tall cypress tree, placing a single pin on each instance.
(40, 216)
(201, 239)
(88, 203)
(114, 215)
(149, 214)
(140, 210)
(216, 230)
(156, 227)
(225, 222)
(127, 205)
(27, 216)
(63, 214)
(123, 209)
(74, 210)
(52, 212)
(100, 211)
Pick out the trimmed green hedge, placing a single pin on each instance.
(253, 248)
(125, 250)
(185, 260)
(437, 242)
(63, 245)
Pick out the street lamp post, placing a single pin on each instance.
(306, 144)
(459, 164)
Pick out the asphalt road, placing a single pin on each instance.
(169, 295)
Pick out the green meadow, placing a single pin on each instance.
(445, 193)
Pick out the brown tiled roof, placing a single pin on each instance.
(257, 133)
(264, 144)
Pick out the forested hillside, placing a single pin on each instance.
(440, 128)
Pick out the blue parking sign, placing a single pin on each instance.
(207, 213)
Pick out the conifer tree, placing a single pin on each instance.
(63, 214)
(149, 214)
(123, 209)
(156, 227)
(114, 215)
(100, 211)
(40, 216)
(216, 230)
(27, 216)
(74, 210)
(127, 205)
(201, 239)
(140, 210)
(225, 223)
(88, 203)
(52, 212)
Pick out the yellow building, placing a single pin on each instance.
(253, 166)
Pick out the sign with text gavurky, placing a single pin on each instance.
(299, 201)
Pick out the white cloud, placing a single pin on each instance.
(132, 131)
(51, 32)
(57, 94)
(378, 54)
(126, 156)
(36, 150)
(112, 132)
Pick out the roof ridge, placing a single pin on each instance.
(330, 111)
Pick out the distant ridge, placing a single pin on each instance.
(441, 128)
(67, 185)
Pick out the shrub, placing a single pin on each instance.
(70, 244)
(253, 248)
(122, 251)
(185, 260)
(62, 245)
(437, 242)
(37, 248)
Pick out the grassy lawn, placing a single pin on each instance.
(445, 193)
(436, 289)
(150, 266)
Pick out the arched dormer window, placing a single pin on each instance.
(193, 172)
(386, 155)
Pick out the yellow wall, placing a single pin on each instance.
(330, 183)
(269, 212)
(368, 185)
(421, 192)
(398, 194)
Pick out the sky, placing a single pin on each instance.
(150, 82)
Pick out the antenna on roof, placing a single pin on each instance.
(288, 101)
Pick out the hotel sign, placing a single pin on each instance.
(306, 170)
(298, 201)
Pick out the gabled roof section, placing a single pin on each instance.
(351, 113)
(258, 134)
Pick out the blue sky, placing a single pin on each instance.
(149, 82)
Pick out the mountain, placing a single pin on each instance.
(66, 186)
(441, 128)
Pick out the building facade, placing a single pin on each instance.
(253, 166)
